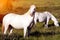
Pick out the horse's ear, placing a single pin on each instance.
(33, 6)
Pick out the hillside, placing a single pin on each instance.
(19, 5)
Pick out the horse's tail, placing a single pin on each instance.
(53, 19)
(3, 28)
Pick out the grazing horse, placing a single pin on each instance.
(16, 21)
(45, 17)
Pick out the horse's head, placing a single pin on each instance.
(32, 10)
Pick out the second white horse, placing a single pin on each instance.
(45, 17)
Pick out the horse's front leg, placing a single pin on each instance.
(46, 22)
(28, 31)
(5, 30)
(25, 30)
(30, 27)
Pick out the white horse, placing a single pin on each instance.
(45, 17)
(16, 21)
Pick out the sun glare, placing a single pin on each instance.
(4, 3)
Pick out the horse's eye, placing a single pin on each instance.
(33, 12)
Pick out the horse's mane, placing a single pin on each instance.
(32, 7)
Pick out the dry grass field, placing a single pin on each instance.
(38, 32)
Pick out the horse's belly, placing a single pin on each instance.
(41, 19)
(17, 24)
(18, 27)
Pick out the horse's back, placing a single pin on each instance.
(6, 19)
(17, 20)
(41, 16)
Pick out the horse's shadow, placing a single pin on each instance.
(53, 24)
(49, 25)
(38, 34)
(59, 23)
(11, 37)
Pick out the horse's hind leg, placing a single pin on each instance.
(46, 22)
(5, 30)
(10, 29)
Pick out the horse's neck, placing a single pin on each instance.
(29, 12)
